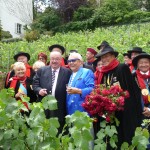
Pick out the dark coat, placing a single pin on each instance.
(42, 79)
(131, 117)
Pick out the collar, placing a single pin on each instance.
(147, 73)
(57, 70)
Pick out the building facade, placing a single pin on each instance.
(14, 15)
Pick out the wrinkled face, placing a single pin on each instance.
(126, 59)
(55, 60)
(107, 59)
(99, 65)
(89, 55)
(20, 71)
(134, 54)
(74, 63)
(57, 50)
(143, 64)
(42, 59)
(22, 59)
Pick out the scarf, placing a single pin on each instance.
(106, 69)
(141, 78)
(28, 70)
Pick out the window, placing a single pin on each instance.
(18, 28)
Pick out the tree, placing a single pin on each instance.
(67, 7)
(21, 9)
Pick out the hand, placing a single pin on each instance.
(73, 90)
(146, 112)
(19, 94)
(43, 92)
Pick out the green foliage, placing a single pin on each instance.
(34, 131)
(11, 40)
(5, 35)
(83, 13)
(31, 36)
(46, 21)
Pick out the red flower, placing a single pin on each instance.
(105, 101)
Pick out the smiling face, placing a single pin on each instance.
(20, 69)
(74, 61)
(89, 55)
(23, 59)
(143, 64)
(107, 59)
(55, 60)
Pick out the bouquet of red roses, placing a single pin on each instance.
(105, 101)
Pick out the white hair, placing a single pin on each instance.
(55, 53)
(76, 55)
(38, 64)
(19, 65)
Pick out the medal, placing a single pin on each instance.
(144, 92)
(149, 98)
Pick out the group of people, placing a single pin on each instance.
(72, 80)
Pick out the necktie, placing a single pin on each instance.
(53, 77)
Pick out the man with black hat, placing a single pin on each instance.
(127, 59)
(133, 53)
(103, 45)
(90, 58)
(114, 73)
(58, 48)
(21, 57)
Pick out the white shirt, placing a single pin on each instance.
(55, 81)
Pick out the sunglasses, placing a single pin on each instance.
(72, 60)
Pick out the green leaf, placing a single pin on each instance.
(113, 142)
(124, 146)
(103, 124)
(146, 133)
(49, 102)
(18, 145)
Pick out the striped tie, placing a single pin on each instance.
(53, 77)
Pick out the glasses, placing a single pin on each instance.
(72, 60)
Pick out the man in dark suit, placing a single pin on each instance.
(45, 83)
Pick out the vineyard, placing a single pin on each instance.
(122, 38)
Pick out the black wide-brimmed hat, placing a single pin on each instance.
(104, 43)
(106, 50)
(21, 54)
(136, 49)
(138, 57)
(126, 54)
(57, 46)
(73, 51)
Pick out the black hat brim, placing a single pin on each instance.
(21, 54)
(57, 46)
(105, 52)
(137, 58)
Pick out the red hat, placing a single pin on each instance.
(92, 51)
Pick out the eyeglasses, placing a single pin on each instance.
(72, 60)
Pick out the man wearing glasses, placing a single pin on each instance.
(81, 83)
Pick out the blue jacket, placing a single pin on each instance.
(83, 80)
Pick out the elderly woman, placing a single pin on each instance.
(37, 65)
(21, 83)
(81, 83)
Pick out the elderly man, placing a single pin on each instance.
(112, 73)
(21, 57)
(80, 84)
(90, 58)
(52, 80)
(58, 48)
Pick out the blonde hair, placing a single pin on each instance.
(38, 64)
(19, 65)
